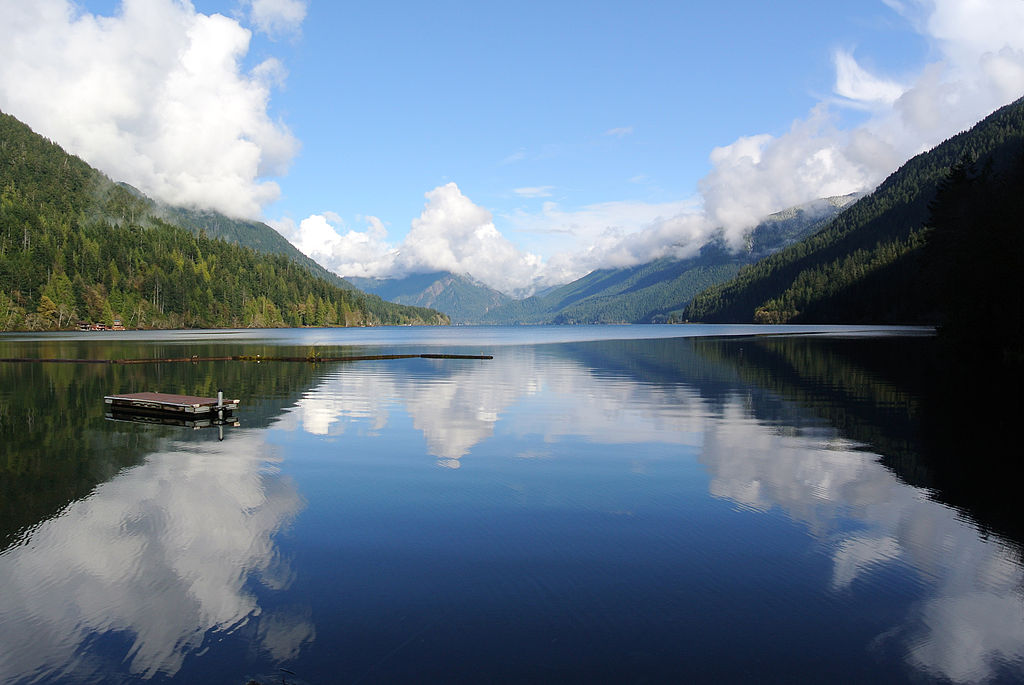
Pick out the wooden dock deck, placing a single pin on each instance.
(163, 403)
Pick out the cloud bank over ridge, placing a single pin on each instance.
(979, 67)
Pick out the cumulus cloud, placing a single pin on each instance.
(451, 234)
(156, 95)
(758, 175)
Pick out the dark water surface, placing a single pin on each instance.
(595, 504)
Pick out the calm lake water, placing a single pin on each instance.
(594, 504)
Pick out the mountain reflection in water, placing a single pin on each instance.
(797, 502)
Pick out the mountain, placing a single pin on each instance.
(460, 297)
(659, 290)
(868, 265)
(254, 234)
(75, 245)
(656, 291)
(626, 295)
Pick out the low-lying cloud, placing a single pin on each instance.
(451, 234)
(156, 95)
(979, 67)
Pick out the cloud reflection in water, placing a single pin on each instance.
(865, 519)
(168, 553)
(162, 554)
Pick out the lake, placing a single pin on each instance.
(593, 504)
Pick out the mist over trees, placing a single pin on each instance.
(865, 266)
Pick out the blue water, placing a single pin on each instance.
(594, 504)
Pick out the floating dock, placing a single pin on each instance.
(163, 404)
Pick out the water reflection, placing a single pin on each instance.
(602, 485)
(455, 406)
(972, 619)
(163, 554)
(764, 449)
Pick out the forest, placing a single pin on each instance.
(867, 264)
(77, 247)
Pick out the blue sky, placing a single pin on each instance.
(523, 143)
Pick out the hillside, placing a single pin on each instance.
(973, 261)
(659, 290)
(866, 265)
(76, 246)
(460, 297)
(254, 234)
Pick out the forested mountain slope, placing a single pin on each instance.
(76, 246)
(460, 297)
(973, 259)
(254, 234)
(865, 266)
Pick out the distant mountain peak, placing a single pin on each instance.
(462, 297)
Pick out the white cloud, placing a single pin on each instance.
(350, 253)
(454, 234)
(534, 191)
(451, 234)
(756, 176)
(608, 234)
(857, 84)
(619, 132)
(276, 17)
(155, 95)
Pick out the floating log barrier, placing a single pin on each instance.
(315, 359)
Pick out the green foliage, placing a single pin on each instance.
(974, 259)
(73, 244)
(865, 265)
(254, 234)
